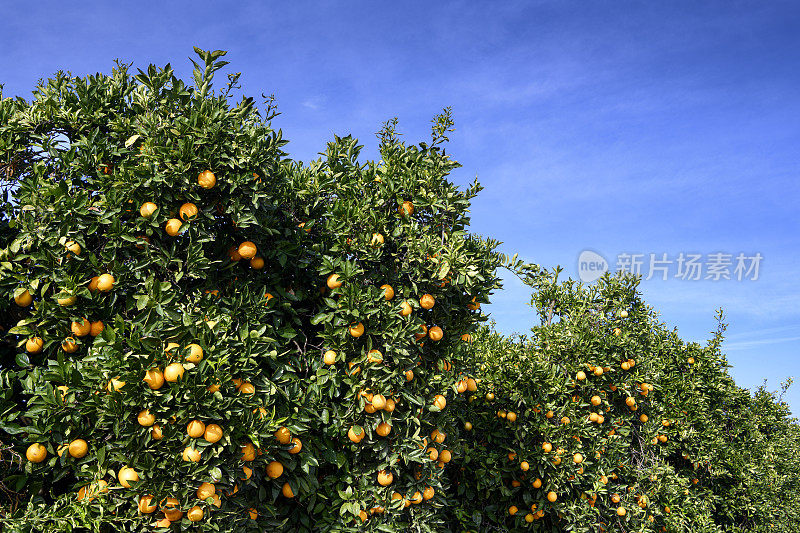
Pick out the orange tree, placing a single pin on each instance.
(604, 420)
(204, 333)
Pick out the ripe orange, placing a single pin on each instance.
(409, 375)
(96, 328)
(378, 401)
(295, 446)
(333, 281)
(173, 227)
(213, 433)
(126, 476)
(383, 429)
(427, 301)
(511, 416)
(247, 250)
(356, 330)
(374, 356)
(596, 400)
(188, 211)
(155, 432)
(23, 300)
(174, 372)
(621, 511)
(388, 292)
(287, 491)
(547, 447)
(195, 429)
(195, 353)
(257, 263)
(428, 493)
(552, 497)
(283, 435)
(78, 448)
(206, 490)
(105, 282)
(329, 358)
(191, 454)
(537, 483)
(435, 333)
(512, 510)
(247, 388)
(405, 209)
(439, 401)
(81, 329)
(524, 466)
(146, 504)
(36, 453)
(195, 514)
(405, 308)
(577, 458)
(356, 434)
(154, 378)
(147, 209)
(67, 301)
(377, 240)
(385, 478)
(274, 469)
(207, 179)
(68, 345)
(145, 418)
(468, 426)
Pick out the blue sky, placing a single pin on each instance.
(635, 127)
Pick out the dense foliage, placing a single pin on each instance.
(199, 332)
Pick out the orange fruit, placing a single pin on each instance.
(147, 209)
(81, 329)
(356, 434)
(287, 491)
(155, 432)
(405, 309)
(174, 372)
(296, 446)
(145, 418)
(378, 401)
(154, 378)
(96, 328)
(206, 490)
(356, 330)
(195, 353)
(511, 416)
(427, 301)
(173, 227)
(274, 469)
(547, 447)
(126, 476)
(68, 345)
(596, 400)
(388, 292)
(383, 429)
(283, 435)
(537, 483)
(195, 514)
(445, 456)
(621, 511)
(439, 401)
(247, 250)
(207, 179)
(248, 452)
(552, 497)
(195, 429)
(257, 263)
(247, 388)
(25, 299)
(78, 448)
(188, 211)
(435, 333)
(428, 493)
(512, 510)
(105, 282)
(67, 301)
(191, 455)
(409, 375)
(405, 209)
(146, 504)
(329, 358)
(374, 356)
(213, 433)
(385, 478)
(36, 453)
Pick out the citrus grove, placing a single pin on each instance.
(200, 333)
